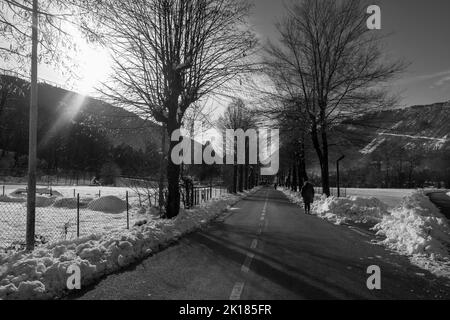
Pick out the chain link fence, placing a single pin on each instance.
(71, 213)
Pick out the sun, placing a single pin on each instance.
(93, 64)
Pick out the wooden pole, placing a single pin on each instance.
(32, 143)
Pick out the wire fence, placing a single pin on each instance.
(69, 213)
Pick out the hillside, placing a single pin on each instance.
(406, 147)
(425, 127)
(75, 132)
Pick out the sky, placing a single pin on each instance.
(419, 33)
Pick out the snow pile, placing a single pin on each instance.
(417, 228)
(42, 274)
(68, 203)
(108, 204)
(11, 200)
(44, 202)
(341, 210)
(22, 192)
(356, 209)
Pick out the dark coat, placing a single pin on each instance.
(308, 192)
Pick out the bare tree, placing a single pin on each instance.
(169, 54)
(237, 116)
(334, 64)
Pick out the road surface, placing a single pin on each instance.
(268, 249)
(441, 200)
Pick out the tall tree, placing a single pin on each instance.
(335, 65)
(237, 116)
(169, 54)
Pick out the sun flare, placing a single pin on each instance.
(93, 64)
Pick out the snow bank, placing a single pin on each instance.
(71, 203)
(42, 273)
(22, 192)
(108, 204)
(11, 200)
(341, 210)
(417, 228)
(356, 209)
(44, 202)
(67, 203)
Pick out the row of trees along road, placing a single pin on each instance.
(238, 116)
(167, 55)
(327, 66)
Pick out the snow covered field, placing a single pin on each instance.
(60, 222)
(42, 274)
(391, 197)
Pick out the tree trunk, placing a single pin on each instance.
(294, 177)
(288, 181)
(325, 167)
(302, 169)
(173, 180)
(300, 174)
(235, 179)
(161, 171)
(322, 153)
(241, 178)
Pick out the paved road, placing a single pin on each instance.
(442, 201)
(267, 248)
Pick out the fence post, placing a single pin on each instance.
(99, 193)
(3, 190)
(78, 215)
(74, 193)
(128, 214)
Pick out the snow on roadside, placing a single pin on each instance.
(418, 229)
(42, 274)
(415, 228)
(341, 210)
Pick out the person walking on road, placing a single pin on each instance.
(307, 195)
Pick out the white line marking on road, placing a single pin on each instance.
(237, 291)
(239, 286)
(248, 261)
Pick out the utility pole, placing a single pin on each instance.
(337, 175)
(32, 149)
